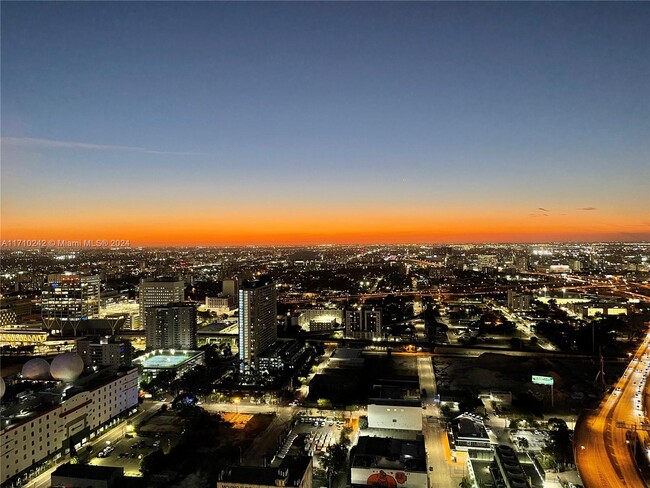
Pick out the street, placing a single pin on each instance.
(603, 454)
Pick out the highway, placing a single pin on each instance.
(603, 456)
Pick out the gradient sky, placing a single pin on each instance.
(231, 123)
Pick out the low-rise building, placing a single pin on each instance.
(281, 355)
(177, 361)
(395, 404)
(320, 319)
(86, 476)
(468, 432)
(343, 357)
(219, 305)
(384, 461)
(294, 471)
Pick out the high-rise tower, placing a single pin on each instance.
(160, 291)
(69, 298)
(257, 320)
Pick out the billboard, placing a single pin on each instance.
(543, 380)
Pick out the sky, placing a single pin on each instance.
(206, 123)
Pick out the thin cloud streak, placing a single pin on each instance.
(588, 208)
(35, 142)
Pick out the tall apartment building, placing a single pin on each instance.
(257, 320)
(69, 298)
(229, 288)
(104, 351)
(171, 326)
(519, 301)
(160, 291)
(363, 323)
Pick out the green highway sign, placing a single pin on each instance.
(543, 380)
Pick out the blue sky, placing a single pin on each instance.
(367, 106)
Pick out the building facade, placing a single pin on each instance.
(384, 461)
(257, 320)
(172, 326)
(67, 299)
(363, 323)
(62, 423)
(104, 351)
(293, 471)
(161, 291)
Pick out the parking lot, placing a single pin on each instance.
(127, 453)
(321, 432)
(528, 440)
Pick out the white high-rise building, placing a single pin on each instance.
(257, 320)
(157, 292)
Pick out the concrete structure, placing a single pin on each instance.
(20, 305)
(219, 333)
(219, 305)
(319, 319)
(161, 291)
(284, 354)
(104, 351)
(257, 320)
(395, 404)
(394, 414)
(383, 461)
(85, 476)
(230, 288)
(171, 326)
(152, 363)
(67, 299)
(519, 301)
(468, 432)
(54, 421)
(512, 475)
(7, 317)
(363, 323)
(346, 358)
(293, 471)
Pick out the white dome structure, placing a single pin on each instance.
(67, 366)
(36, 369)
(3, 387)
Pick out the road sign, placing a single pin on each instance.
(543, 380)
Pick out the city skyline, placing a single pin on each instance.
(297, 124)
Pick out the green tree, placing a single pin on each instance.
(560, 443)
(324, 403)
(514, 425)
(153, 462)
(344, 438)
(334, 458)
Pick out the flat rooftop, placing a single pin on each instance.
(88, 472)
(166, 360)
(290, 472)
(344, 353)
(389, 453)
